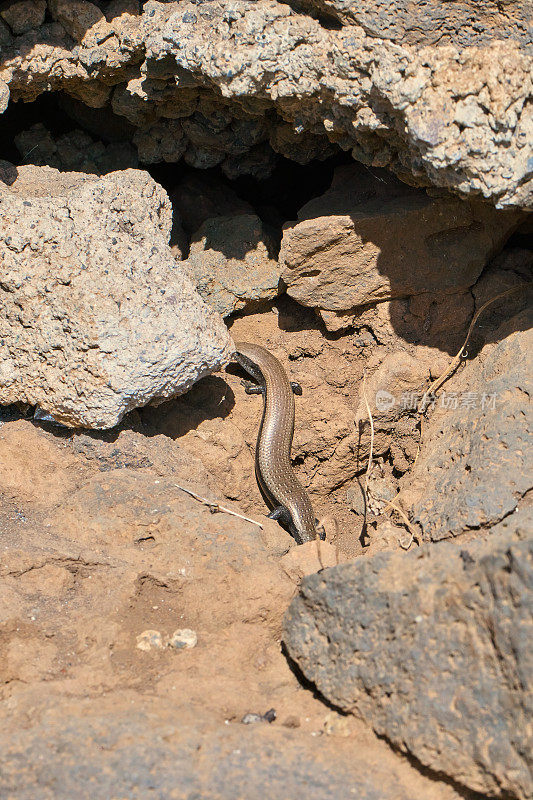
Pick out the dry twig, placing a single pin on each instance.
(214, 507)
(405, 519)
(435, 386)
(371, 453)
(391, 504)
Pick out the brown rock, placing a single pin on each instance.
(308, 558)
(366, 240)
(197, 199)
(393, 392)
(24, 15)
(76, 16)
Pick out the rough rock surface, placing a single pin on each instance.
(99, 545)
(474, 464)
(231, 83)
(371, 238)
(132, 755)
(433, 649)
(97, 318)
(24, 15)
(466, 24)
(73, 152)
(232, 263)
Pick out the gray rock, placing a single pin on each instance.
(433, 649)
(97, 316)
(475, 461)
(135, 756)
(465, 24)
(371, 238)
(226, 83)
(232, 263)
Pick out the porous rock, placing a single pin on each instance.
(97, 318)
(75, 151)
(4, 96)
(232, 262)
(371, 238)
(466, 24)
(234, 83)
(432, 649)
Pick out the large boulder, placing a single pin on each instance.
(97, 316)
(432, 648)
(371, 238)
(432, 95)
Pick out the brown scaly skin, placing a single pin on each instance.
(282, 490)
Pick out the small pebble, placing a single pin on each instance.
(250, 718)
(149, 639)
(183, 638)
(336, 725)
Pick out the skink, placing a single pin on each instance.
(281, 489)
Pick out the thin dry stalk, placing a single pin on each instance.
(214, 507)
(435, 386)
(392, 505)
(371, 453)
(405, 519)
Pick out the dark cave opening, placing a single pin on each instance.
(276, 198)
